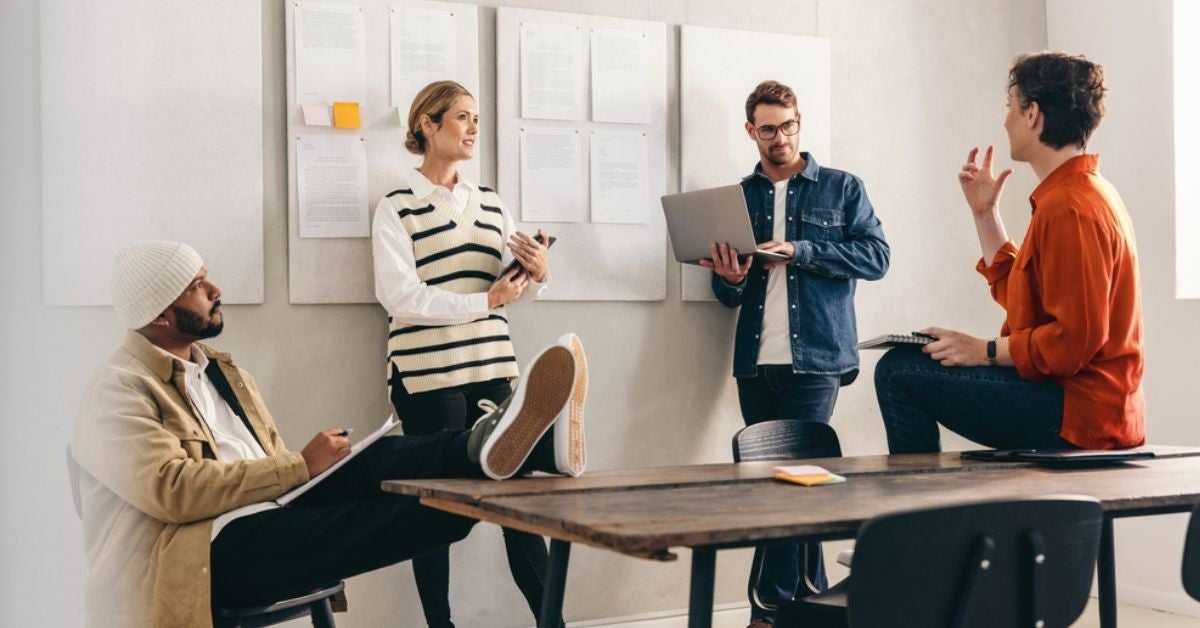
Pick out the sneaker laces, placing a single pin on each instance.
(489, 408)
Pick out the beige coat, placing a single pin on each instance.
(151, 486)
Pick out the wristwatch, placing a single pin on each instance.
(991, 353)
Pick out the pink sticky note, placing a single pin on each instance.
(316, 115)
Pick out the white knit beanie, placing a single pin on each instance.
(148, 277)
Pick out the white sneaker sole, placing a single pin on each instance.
(541, 394)
(570, 453)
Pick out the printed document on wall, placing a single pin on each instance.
(552, 184)
(424, 49)
(620, 76)
(331, 178)
(553, 76)
(330, 53)
(620, 177)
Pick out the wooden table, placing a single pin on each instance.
(648, 512)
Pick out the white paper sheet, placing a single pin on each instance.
(330, 53)
(552, 72)
(389, 424)
(424, 49)
(620, 177)
(552, 182)
(331, 181)
(620, 76)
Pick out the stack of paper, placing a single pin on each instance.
(807, 475)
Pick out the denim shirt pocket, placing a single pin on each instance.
(822, 225)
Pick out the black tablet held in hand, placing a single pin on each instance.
(515, 264)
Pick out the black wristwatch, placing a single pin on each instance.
(991, 353)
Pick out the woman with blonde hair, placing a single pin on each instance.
(440, 243)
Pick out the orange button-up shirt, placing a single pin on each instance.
(1074, 305)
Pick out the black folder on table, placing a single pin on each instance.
(1060, 457)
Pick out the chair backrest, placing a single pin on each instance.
(73, 476)
(987, 564)
(1191, 555)
(785, 440)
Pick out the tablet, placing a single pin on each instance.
(697, 219)
(1060, 457)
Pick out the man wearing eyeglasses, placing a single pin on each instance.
(796, 331)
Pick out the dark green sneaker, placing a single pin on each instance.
(501, 440)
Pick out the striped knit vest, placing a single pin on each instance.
(458, 253)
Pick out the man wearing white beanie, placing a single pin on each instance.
(181, 463)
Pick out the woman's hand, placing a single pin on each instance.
(507, 288)
(531, 254)
(954, 348)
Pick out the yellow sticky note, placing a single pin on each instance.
(811, 480)
(346, 115)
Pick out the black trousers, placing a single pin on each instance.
(343, 527)
(456, 408)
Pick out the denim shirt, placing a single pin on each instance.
(838, 240)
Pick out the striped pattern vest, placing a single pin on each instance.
(458, 253)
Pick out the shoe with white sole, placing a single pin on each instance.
(501, 440)
(570, 455)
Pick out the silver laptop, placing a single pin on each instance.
(698, 219)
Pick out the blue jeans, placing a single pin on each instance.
(775, 392)
(990, 405)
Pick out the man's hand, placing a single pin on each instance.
(979, 186)
(507, 288)
(778, 246)
(324, 449)
(953, 348)
(725, 263)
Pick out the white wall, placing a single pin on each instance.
(915, 84)
(1136, 145)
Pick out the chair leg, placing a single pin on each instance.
(322, 614)
(756, 568)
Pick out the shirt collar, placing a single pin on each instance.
(1087, 163)
(161, 363)
(422, 187)
(811, 171)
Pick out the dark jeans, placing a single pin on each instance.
(778, 393)
(990, 405)
(343, 527)
(452, 409)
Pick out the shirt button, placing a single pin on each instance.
(789, 217)
(825, 223)
(795, 335)
(760, 307)
(768, 217)
(791, 191)
(204, 570)
(793, 306)
(241, 385)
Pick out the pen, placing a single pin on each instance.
(346, 431)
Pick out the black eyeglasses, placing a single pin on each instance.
(768, 131)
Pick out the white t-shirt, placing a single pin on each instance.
(775, 345)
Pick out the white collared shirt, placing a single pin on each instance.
(398, 287)
(233, 440)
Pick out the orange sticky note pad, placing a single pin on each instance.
(346, 115)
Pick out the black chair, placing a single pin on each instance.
(1191, 555)
(984, 565)
(316, 604)
(783, 440)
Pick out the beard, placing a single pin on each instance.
(197, 325)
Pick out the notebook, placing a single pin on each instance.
(1060, 457)
(888, 341)
(697, 219)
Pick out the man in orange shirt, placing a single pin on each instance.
(1066, 370)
